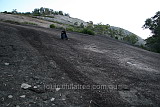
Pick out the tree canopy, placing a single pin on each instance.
(153, 24)
(47, 11)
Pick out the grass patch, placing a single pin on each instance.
(87, 31)
(49, 16)
(12, 22)
(29, 23)
(19, 23)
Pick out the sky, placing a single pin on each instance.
(127, 14)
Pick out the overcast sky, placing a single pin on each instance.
(127, 14)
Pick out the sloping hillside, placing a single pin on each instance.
(23, 19)
(61, 21)
(38, 69)
(58, 20)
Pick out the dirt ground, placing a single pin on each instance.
(38, 69)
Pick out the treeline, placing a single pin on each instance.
(116, 33)
(47, 11)
(39, 12)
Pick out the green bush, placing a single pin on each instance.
(101, 29)
(131, 38)
(70, 29)
(52, 26)
(87, 31)
(116, 37)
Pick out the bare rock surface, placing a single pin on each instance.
(38, 69)
(23, 19)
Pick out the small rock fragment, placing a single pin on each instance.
(45, 102)
(23, 96)
(6, 64)
(8, 104)
(52, 99)
(10, 96)
(35, 87)
(37, 90)
(129, 63)
(90, 101)
(63, 99)
(25, 86)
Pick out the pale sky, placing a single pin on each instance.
(127, 14)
